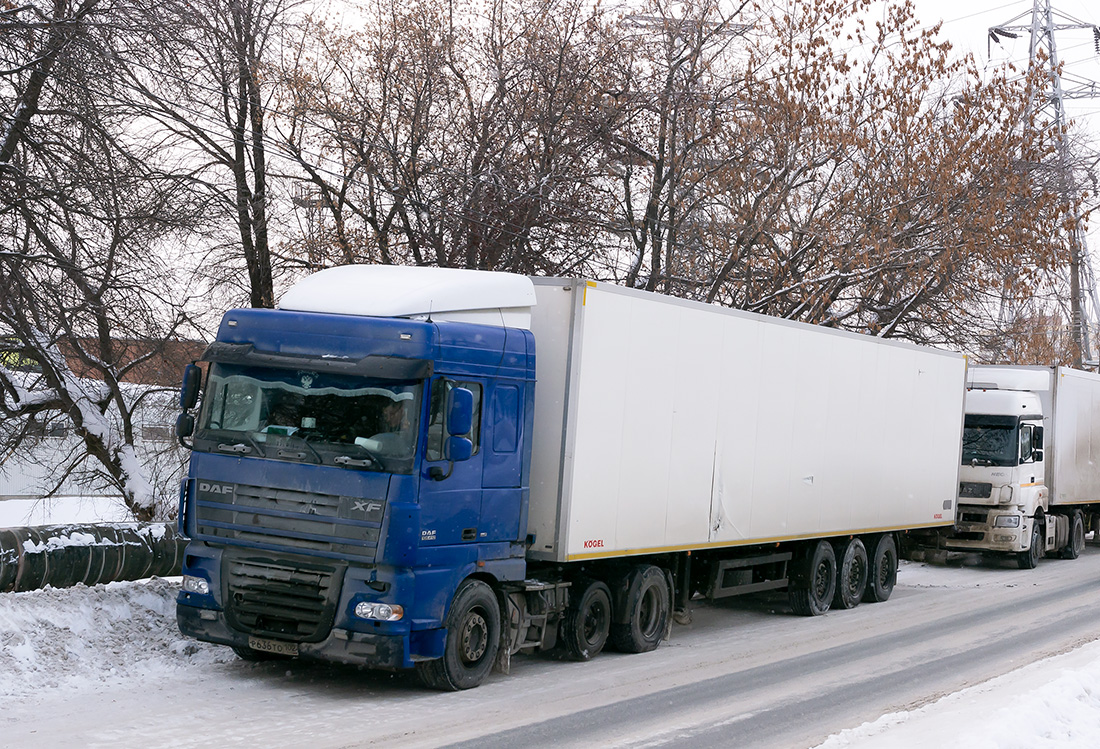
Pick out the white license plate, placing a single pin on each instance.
(273, 646)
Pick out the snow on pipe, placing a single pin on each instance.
(65, 555)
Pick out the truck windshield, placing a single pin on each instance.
(990, 441)
(312, 417)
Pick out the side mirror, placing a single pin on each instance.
(459, 448)
(1037, 439)
(460, 413)
(1037, 455)
(185, 427)
(189, 391)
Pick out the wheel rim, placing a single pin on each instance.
(821, 581)
(475, 637)
(858, 569)
(595, 623)
(884, 571)
(648, 612)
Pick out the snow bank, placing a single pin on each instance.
(79, 638)
(1052, 704)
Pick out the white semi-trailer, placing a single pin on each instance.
(1030, 477)
(652, 450)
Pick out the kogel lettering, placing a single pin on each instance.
(595, 543)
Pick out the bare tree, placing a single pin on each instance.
(203, 83)
(82, 208)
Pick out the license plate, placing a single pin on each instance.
(273, 646)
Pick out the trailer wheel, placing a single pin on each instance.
(587, 620)
(883, 569)
(851, 581)
(1076, 543)
(813, 595)
(473, 638)
(1029, 559)
(646, 607)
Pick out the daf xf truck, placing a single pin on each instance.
(384, 472)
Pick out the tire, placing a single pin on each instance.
(586, 624)
(852, 573)
(1029, 559)
(1076, 543)
(258, 656)
(883, 569)
(646, 608)
(813, 594)
(472, 642)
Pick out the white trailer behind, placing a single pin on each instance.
(663, 425)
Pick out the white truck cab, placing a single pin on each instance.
(1012, 462)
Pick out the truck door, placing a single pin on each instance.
(503, 501)
(450, 507)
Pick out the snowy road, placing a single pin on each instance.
(745, 672)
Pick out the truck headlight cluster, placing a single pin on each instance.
(1006, 521)
(198, 585)
(384, 612)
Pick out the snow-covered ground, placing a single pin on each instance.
(84, 639)
(1052, 704)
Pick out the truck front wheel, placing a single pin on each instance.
(473, 638)
(1029, 559)
(646, 608)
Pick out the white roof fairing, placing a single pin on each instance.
(485, 297)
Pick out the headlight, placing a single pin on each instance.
(385, 612)
(1006, 521)
(198, 585)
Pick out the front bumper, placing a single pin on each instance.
(341, 646)
(982, 534)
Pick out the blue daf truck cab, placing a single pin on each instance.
(359, 467)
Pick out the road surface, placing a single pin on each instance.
(745, 672)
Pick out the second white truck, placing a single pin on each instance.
(1029, 483)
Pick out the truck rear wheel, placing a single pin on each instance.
(1029, 559)
(587, 620)
(1076, 543)
(473, 638)
(646, 608)
(883, 574)
(812, 595)
(851, 580)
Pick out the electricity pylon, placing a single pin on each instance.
(1043, 54)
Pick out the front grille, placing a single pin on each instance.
(283, 600)
(969, 536)
(327, 525)
(973, 516)
(975, 489)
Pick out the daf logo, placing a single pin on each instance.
(365, 506)
(215, 488)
